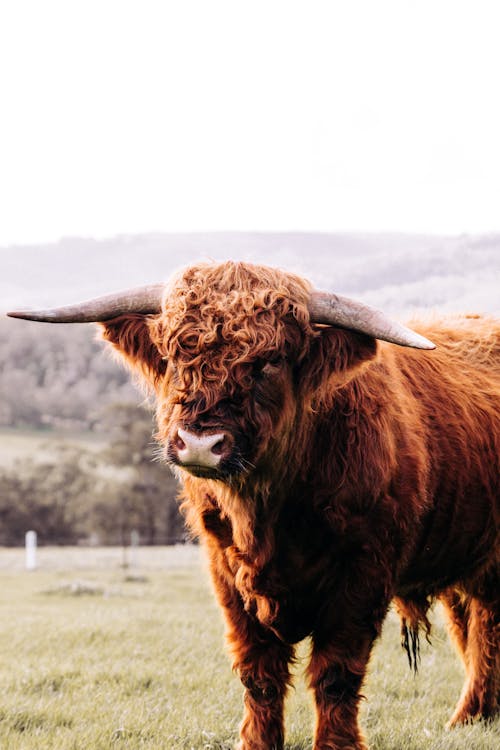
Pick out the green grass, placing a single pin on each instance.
(94, 657)
(17, 443)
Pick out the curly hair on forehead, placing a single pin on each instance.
(218, 317)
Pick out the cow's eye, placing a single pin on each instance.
(270, 367)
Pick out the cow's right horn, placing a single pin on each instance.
(145, 300)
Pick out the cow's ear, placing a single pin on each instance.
(337, 356)
(130, 337)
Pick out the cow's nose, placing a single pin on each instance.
(201, 449)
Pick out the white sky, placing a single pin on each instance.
(122, 116)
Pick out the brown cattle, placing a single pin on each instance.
(327, 473)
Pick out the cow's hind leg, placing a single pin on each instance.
(474, 625)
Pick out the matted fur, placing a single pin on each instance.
(366, 472)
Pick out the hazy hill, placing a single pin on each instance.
(394, 271)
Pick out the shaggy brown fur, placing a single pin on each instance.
(365, 472)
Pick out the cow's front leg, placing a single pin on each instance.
(336, 672)
(262, 662)
(259, 657)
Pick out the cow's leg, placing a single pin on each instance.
(456, 607)
(474, 624)
(259, 657)
(336, 673)
(262, 662)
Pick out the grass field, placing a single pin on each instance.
(39, 444)
(94, 656)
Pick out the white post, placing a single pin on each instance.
(30, 550)
(134, 543)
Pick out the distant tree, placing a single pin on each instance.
(147, 499)
(63, 373)
(75, 494)
(49, 497)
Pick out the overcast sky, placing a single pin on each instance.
(124, 116)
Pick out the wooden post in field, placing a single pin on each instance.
(31, 550)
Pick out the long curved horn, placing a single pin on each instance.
(332, 309)
(145, 300)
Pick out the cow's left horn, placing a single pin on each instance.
(332, 309)
(145, 300)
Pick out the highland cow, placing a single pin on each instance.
(330, 463)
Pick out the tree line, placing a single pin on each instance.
(59, 377)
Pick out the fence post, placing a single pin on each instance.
(134, 543)
(31, 542)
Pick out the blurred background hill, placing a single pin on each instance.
(399, 271)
